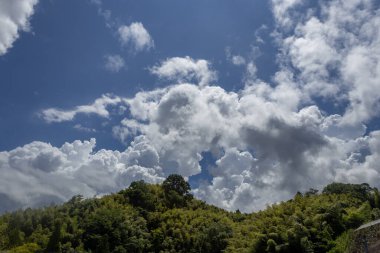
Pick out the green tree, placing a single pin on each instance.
(176, 183)
(177, 190)
(54, 244)
(376, 198)
(15, 237)
(109, 229)
(360, 191)
(214, 238)
(26, 248)
(139, 195)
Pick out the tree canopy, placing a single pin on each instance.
(166, 218)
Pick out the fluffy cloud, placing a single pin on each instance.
(269, 140)
(180, 69)
(114, 63)
(14, 17)
(337, 55)
(39, 173)
(255, 134)
(136, 36)
(98, 107)
(186, 120)
(266, 149)
(282, 10)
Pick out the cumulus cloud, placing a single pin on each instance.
(14, 18)
(270, 150)
(98, 107)
(266, 149)
(135, 36)
(337, 55)
(114, 63)
(183, 121)
(269, 140)
(39, 173)
(182, 69)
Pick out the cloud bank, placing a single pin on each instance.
(265, 152)
(269, 140)
(39, 174)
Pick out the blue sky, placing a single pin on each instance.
(60, 63)
(251, 101)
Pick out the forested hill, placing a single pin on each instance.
(166, 218)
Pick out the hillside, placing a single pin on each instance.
(166, 218)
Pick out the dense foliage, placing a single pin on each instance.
(166, 218)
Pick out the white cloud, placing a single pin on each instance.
(98, 107)
(250, 134)
(251, 71)
(185, 69)
(14, 18)
(39, 173)
(114, 63)
(183, 121)
(136, 36)
(234, 59)
(282, 10)
(258, 34)
(238, 60)
(337, 55)
(79, 127)
(269, 140)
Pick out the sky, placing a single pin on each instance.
(251, 101)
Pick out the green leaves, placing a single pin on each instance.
(166, 218)
(109, 230)
(177, 191)
(140, 195)
(177, 184)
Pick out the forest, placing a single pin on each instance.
(167, 218)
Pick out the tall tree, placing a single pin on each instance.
(177, 191)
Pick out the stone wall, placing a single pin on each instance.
(370, 236)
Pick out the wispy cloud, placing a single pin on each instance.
(237, 60)
(114, 63)
(106, 14)
(98, 107)
(79, 127)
